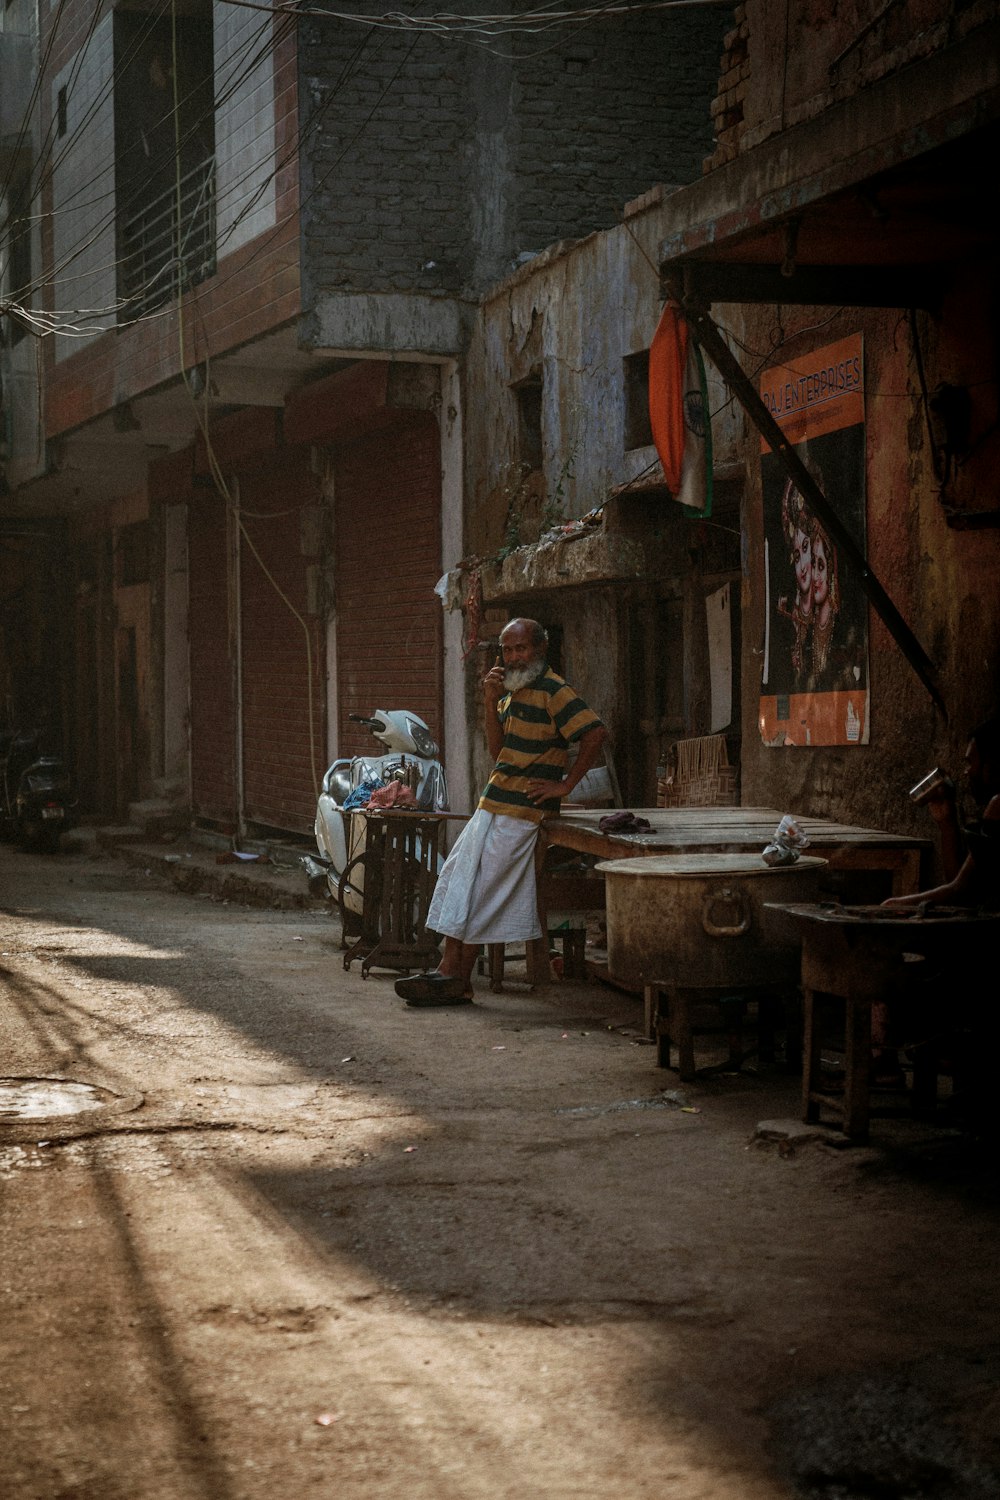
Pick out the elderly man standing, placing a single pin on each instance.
(486, 890)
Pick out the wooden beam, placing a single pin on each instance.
(709, 336)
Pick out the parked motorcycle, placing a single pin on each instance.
(35, 793)
(411, 758)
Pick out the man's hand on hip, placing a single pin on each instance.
(545, 791)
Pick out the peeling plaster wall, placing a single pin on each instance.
(801, 58)
(943, 579)
(804, 54)
(573, 314)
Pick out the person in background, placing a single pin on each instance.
(974, 880)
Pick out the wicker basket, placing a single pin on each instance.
(698, 775)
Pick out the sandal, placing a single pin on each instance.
(433, 988)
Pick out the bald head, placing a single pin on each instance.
(535, 633)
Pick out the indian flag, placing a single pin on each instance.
(678, 411)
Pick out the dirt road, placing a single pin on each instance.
(316, 1244)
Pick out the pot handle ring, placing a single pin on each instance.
(731, 898)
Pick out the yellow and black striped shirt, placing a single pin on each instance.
(540, 722)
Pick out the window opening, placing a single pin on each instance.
(528, 394)
(166, 228)
(638, 432)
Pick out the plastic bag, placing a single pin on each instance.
(787, 843)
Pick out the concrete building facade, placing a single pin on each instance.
(848, 200)
(261, 242)
(844, 202)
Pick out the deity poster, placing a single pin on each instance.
(814, 689)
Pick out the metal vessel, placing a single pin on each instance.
(699, 920)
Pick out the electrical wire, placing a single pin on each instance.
(526, 20)
(542, 19)
(53, 323)
(477, 31)
(46, 163)
(241, 70)
(114, 309)
(36, 88)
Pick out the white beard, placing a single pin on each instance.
(515, 678)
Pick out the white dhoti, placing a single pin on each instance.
(486, 890)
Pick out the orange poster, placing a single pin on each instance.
(814, 689)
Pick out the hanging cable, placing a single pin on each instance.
(214, 465)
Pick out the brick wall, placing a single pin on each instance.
(729, 103)
(621, 105)
(384, 166)
(255, 290)
(785, 61)
(282, 676)
(436, 164)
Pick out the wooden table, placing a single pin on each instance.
(721, 830)
(853, 957)
(400, 872)
(738, 830)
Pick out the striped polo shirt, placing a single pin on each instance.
(540, 722)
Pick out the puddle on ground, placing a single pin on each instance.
(48, 1098)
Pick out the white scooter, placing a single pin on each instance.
(340, 837)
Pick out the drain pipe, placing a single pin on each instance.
(715, 346)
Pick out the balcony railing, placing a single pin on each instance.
(168, 244)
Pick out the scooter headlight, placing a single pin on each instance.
(421, 737)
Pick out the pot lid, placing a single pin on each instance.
(700, 865)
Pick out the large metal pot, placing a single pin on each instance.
(698, 920)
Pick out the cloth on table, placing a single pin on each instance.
(624, 822)
(486, 890)
(396, 794)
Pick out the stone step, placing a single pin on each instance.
(157, 815)
(114, 835)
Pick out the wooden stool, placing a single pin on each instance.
(573, 941)
(853, 1011)
(844, 972)
(677, 1026)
